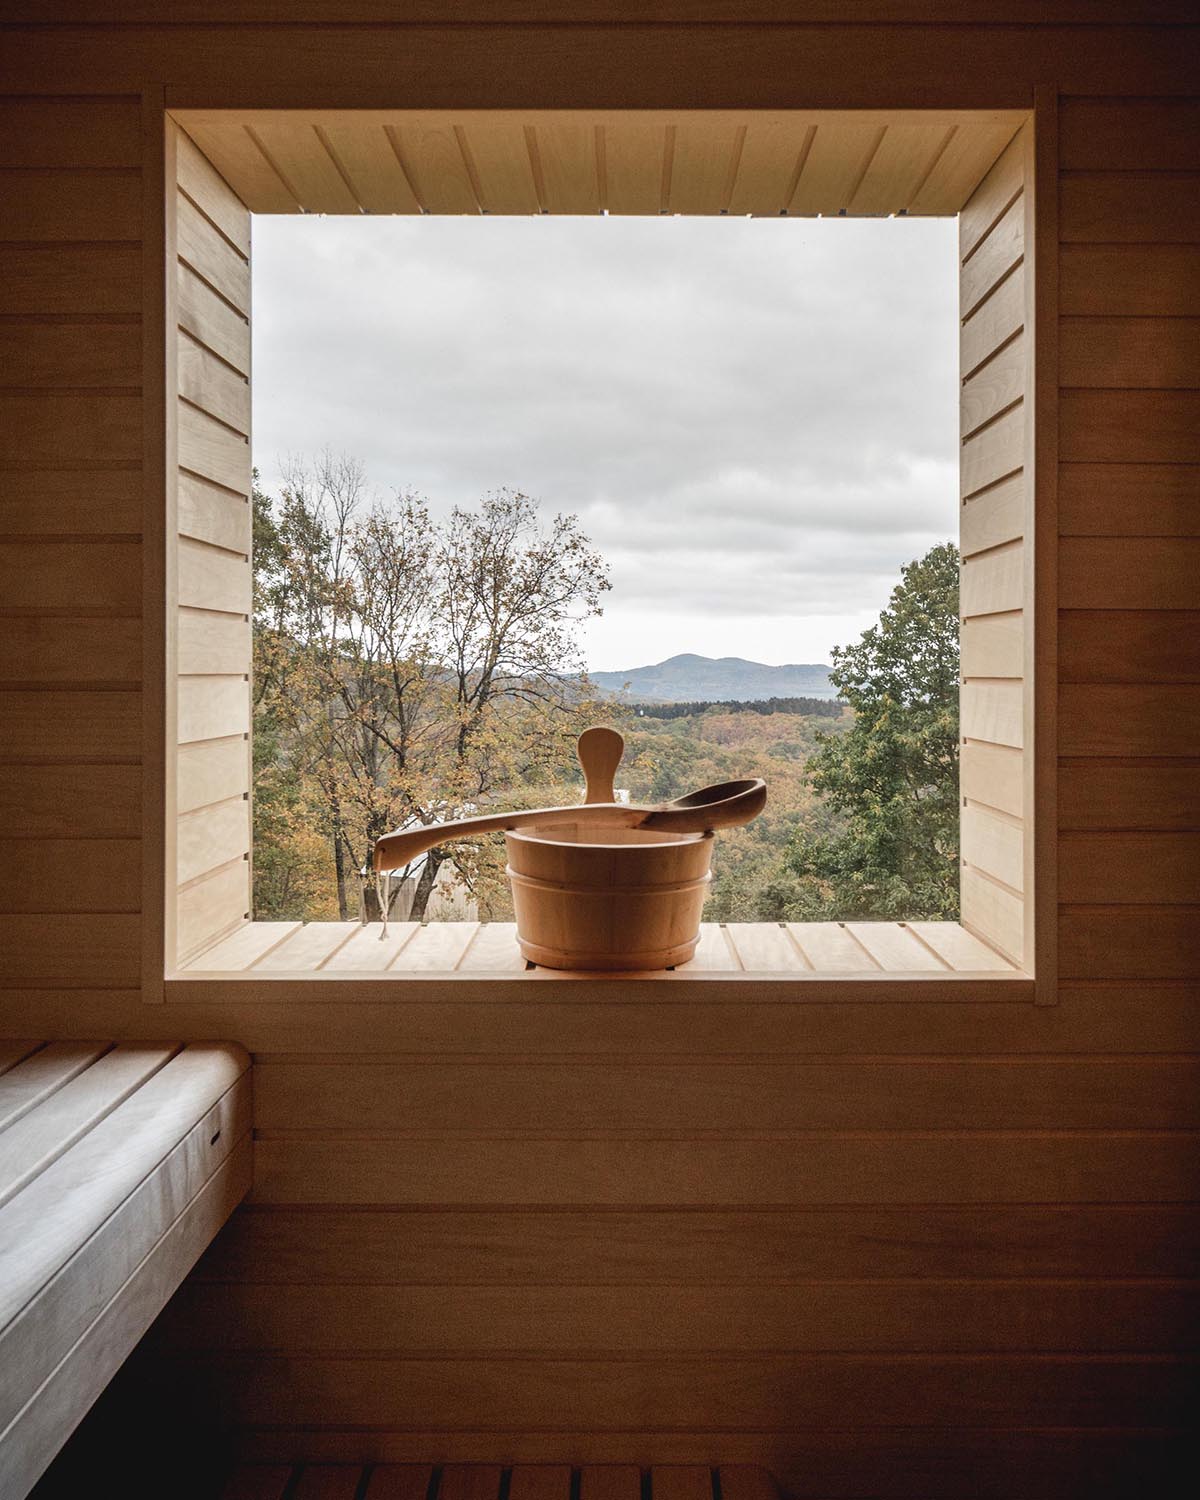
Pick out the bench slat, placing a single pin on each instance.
(11, 1053)
(24, 1086)
(35, 1141)
(46, 1223)
(51, 1415)
(61, 1309)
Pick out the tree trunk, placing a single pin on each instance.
(425, 883)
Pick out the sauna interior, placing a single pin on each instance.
(836, 1215)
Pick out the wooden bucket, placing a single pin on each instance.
(588, 897)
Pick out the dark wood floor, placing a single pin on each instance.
(495, 1482)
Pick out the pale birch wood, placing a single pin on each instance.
(307, 948)
(764, 946)
(368, 950)
(243, 948)
(893, 947)
(24, 1086)
(436, 945)
(830, 948)
(30, 1144)
(959, 949)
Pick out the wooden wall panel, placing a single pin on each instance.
(973, 1219)
(996, 543)
(209, 340)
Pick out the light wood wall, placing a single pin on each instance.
(996, 286)
(888, 1247)
(208, 354)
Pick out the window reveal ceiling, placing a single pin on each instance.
(860, 164)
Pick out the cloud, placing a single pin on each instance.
(755, 419)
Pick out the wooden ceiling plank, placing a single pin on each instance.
(704, 167)
(504, 177)
(767, 170)
(566, 153)
(241, 163)
(433, 161)
(836, 161)
(633, 165)
(365, 154)
(905, 158)
(304, 163)
(969, 156)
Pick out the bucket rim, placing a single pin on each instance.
(665, 838)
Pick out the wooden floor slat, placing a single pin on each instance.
(484, 1482)
(327, 1482)
(800, 948)
(610, 1482)
(399, 1482)
(257, 1482)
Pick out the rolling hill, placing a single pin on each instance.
(687, 678)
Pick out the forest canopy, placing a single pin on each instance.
(410, 668)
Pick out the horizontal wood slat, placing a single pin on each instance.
(207, 513)
(1125, 942)
(212, 322)
(730, 1393)
(1128, 645)
(1130, 353)
(72, 355)
(212, 836)
(1128, 281)
(60, 430)
(212, 579)
(48, 205)
(910, 1317)
(211, 450)
(1127, 573)
(79, 875)
(883, 1169)
(1132, 719)
(61, 724)
(1130, 426)
(1149, 796)
(210, 772)
(48, 502)
(367, 1098)
(51, 574)
(731, 1247)
(77, 280)
(1127, 500)
(211, 708)
(215, 904)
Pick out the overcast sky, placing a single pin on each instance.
(755, 419)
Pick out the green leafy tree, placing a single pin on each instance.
(891, 780)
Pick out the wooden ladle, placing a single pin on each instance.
(728, 804)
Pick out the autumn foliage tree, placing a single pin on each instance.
(409, 668)
(890, 781)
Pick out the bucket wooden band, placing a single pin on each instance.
(669, 888)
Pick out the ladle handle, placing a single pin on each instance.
(600, 751)
(395, 850)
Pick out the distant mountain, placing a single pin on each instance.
(688, 678)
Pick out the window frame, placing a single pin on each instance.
(1038, 978)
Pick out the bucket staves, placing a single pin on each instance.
(588, 897)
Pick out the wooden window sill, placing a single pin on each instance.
(464, 952)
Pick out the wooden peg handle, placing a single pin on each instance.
(600, 752)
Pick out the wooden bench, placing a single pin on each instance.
(118, 1164)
